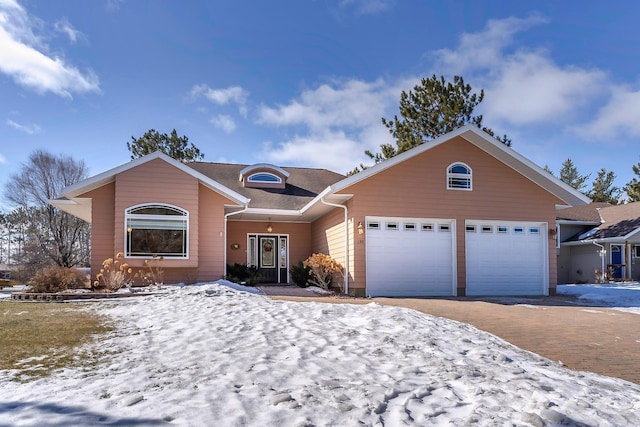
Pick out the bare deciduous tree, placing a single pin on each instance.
(56, 233)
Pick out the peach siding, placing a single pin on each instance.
(102, 217)
(158, 182)
(417, 188)
(299, 238)
(328, 237)
(211, 234)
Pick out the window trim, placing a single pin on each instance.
(183, 215)
(253, 178)
(452, 176)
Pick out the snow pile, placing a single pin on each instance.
(623, 296)
(212, 355)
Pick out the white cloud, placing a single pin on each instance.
(21, 58)
(2, 159)
(28, 129)
(64, 26)
(224, 122)
(351, 104)
(330, 150)
(522, 86)
(620, 116)
(340, 120)
(533, 89)
(485, 50)
(233, 94)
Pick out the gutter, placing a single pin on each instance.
(246, 206)
(346, 242)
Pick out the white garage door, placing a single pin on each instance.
(410, 257)
(506, 258)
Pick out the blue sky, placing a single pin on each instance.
(305, 83)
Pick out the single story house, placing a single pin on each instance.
(462, 214)
(598, 238)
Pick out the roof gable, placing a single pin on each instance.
(490, 145)
(109, 176)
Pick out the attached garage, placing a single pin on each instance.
(506, 258)
(410, 257)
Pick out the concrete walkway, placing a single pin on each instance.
(593, 339)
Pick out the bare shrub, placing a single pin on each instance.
(56, 279)
(322, 268)
(113, 275)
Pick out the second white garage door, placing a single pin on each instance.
(410, 257)
(506, 258)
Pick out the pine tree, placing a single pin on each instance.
(433, 108)
(633, 187)
(569, 174)
(603, 190)
(172, 145)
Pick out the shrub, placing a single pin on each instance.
(152, 272)
(56, 279)
(300, 274)
(323, 267)
(113, 275)
(243, 274)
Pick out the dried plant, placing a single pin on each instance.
(323, 267)
(113, 275)
(152, 272)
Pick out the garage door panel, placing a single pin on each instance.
(412, 262)
(512, 262)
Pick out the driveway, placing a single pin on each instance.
(595, 339)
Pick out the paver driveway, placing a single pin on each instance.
(595, 339)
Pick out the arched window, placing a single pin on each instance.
(156, 229)
(458, 177)
(264, 177)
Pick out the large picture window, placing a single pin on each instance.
(156, 229)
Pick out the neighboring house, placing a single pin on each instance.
(460, 215)
(597, 238)
(5, 271)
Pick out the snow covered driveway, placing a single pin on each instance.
(211, 355)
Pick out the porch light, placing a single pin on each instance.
(360, 228)
(553, 233)
(269, 227)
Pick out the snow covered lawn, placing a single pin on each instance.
(213, 355)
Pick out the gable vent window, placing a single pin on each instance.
(265, 177)
(156, 229)
(459, 177)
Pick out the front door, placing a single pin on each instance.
(269, 253)
(617, 261)
(267, 258)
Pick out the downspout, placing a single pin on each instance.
(227, 215)
(603, 253)
(346, 242)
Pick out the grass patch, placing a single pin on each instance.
(38, 338)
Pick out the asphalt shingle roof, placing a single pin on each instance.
(301, 187)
